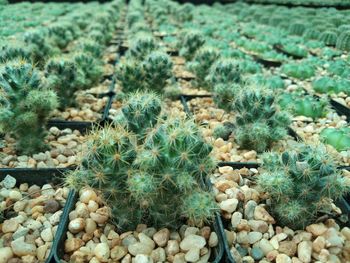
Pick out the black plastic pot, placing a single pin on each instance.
(341, 109)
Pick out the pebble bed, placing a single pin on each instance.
(27, 236)
(91, 238)
(66, 147)
(252, 232)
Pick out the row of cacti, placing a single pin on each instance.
(28, 95)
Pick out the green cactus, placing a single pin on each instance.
(141, 47)
(191, 41)
(61, 33)
(223, 131)
(295, 50)
(184, 13)
(224, 71)
(339, 138)
(299, 183)
(157, 68)
(258, 122)
(311, 33)
(86, 45)
(297, 28)
(63, 76)
(204, 58)
(130, 75)
(25, 107)
(270, 82)
(329, 38)
(224, 94)
(157, 180)
(331, 85)
(298, 71)
(91, 69)
(300, 104)
(343, 41)
(14, 50)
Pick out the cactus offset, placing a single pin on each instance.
(298, 183)
(26, 106)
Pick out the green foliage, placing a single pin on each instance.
(298, 70)
(300, 104)
(63, 76)
(154, 179)
(343, 41)
(339, 138)
(204, 58)
(298, 182)
(190, 42)
(258, 122)
(329, 38)
(25, 107)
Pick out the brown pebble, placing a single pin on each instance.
(34, 191)
(51, 206)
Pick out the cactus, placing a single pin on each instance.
(295, 50)
(141, 47)
(63, 76)
(14, 50)
(90, 68)
(86, 45)
(305, 105)
(157, 68)
(299, 182)
(330, 85)
(184, 13)
(270, 82)
(329, 38)
(204, 58)
(343, 41)
(190, 42)
(155, 180)
(223, 131)
(224, 94)
(258, 122)
(26, 106)
(61, 34)
(311, 33)
(339, 138)
(297, 28)
(130, 75)
(298, 71)
(224, 71)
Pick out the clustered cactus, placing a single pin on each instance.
(191, 41)
(25, 106)
(148, 168)
(300, 182)
(298, 70)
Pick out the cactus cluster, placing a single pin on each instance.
(149, 169)
(204, 58)
(190, 42)
(331, 85)
(339, 138)
(25, 106)
(300, 182)
(298, 70)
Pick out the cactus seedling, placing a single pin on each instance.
(258, 122)
(90, 68)
(224, 71)
(157, 68)
(299, 182)
(298, 71)
(155, 180)
(224, 94)
(141, 47)
(204, 58)
(343, 41)
(191, 42)
(26, 106)
(338, 138)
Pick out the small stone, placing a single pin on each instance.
(20, 248)
(261, 214)
(229, 205)
(213, 240)
(258, 225)
(161, 237)
(9, 182)
(318, 244)
(158, 255)
(20, 232)
(102, 252)
(265, 246)
(41, 252)
(254, 237)
(236, 255)
(40, 157)
(333, 238)
(144, 239)
(282, 258)
(87, 195)
(47, 235)
(51, 206)
(118, 252)
(55, 218)
(5, 254)
(172, 247)
(9, 226)
(54, 131)
(317, 229)
(191, 231)
(304, 251)
(139, 248)
(76, 225)
(249, 155)
(192, 241)
(236, 219)
(90, 226)
(192, 255)
(143, 259)
(257, 253)
(249, 209)
(72, 244)
(288, 247)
